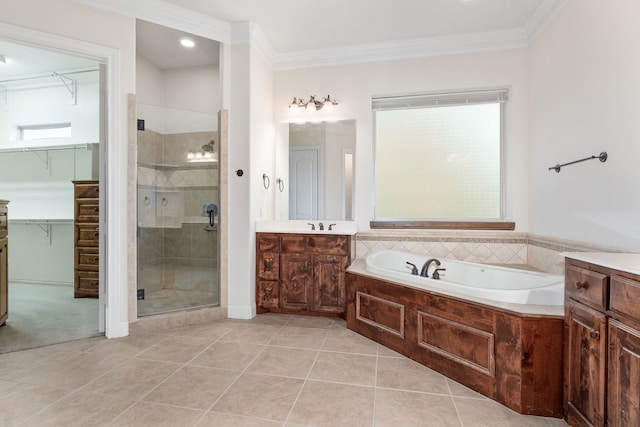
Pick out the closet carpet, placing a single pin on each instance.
(46, 314)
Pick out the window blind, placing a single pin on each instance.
(440, 100)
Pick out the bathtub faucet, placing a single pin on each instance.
(425, 268)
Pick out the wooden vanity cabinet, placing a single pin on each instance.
(602, 346)
(86, 239)
(4, 262)
(299, 273)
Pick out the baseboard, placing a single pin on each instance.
(41, 282)
(241, 311)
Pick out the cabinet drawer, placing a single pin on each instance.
(87, 259)
(4, 224)
(328, 245)
(586, 286)
(87, 284)
(268, 266)
(86, 190)
(268, 294)
(624, 297)
(87, 210)
(87, 235)
(268, 243)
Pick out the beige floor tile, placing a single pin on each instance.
(210, 331)
(260, 396)
(405, 374)
(556, 422)
(346, 341)
(81, 409)
(488, 413)
(17, 365)
(78, 370)
(24, 400)
(193, 387)
(311, 322)
(146, 414)
(129, 346)
(330, 404)
(271, 319)
(252, 333)
(133, 379)
(459, 390)
(281, 361)
(387, 352)
(228, 355)
(407, 409)
(298, 337)
(345, 368)
(175, 349)
(339, 324)
(217, 419)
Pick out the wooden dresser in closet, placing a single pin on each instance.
(86, 238)
(4, 262)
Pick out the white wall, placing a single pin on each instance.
(354, 85)
(585, 87)
(71, 27)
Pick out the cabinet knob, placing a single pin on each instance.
(582, 285)
(594, 334)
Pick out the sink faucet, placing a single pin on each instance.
(331, 227)
(436, 273)
(425, 268)
(321, 226)
(313, 226)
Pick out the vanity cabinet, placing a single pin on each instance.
(602, 346)
(299, 273)
(4, 262)
(86, 239)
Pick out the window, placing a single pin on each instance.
(438, 157)
(54, 130)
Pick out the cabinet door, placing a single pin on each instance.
(585, 364)
(268, 266)
(267, 296)
(4, 281)
(623, 404)
(296, 276)
(329, 283)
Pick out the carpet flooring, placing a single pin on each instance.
(41, 315)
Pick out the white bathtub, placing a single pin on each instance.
(471, 280)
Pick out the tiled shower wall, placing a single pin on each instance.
(506, 247)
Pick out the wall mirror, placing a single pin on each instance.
(321, 170)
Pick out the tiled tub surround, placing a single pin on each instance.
(518, 249)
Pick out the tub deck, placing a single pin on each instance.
(511, 356)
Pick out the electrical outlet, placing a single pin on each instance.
(140, 294)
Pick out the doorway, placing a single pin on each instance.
(49, 136)
(178, 173)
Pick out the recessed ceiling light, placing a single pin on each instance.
(187, 42)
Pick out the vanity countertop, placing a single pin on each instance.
(303, 227)
(627, 262)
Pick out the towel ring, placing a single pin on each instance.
(266, 181)
(280, 182)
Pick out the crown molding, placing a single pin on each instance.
(542, 17)
(404, 49)
(163, 13)
(169, 15)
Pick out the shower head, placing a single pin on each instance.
(208, 147)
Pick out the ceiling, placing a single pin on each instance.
(307, 32)
(301, 25)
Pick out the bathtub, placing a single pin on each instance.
(470, 280)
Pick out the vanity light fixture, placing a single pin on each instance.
(311, 106)
(187, 42)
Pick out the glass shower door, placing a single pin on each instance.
(178, 201)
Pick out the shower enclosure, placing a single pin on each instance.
(178, 201)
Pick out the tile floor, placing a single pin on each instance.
(274, 370)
